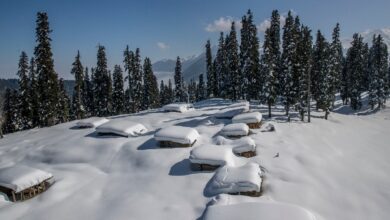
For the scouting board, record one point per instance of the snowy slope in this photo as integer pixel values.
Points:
(336, 169)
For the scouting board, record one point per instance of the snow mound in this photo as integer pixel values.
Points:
(230, 179)
(241, 145)
(178, 107)
(91, 122)
(19, 178)
(250, 117)
(212, 155)
(238, 129)
(122, 127)
(177, 134)
(233, 110)
(221, 209)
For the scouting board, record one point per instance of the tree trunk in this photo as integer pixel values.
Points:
(269, 110)
(326, 114)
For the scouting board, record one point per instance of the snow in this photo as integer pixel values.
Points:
(230, 179)
(122, 127)
(19, 178)
(337, 169)
(177, 134)
(238, 129)
(178, 107)
(213, 155)
(250, 117)
(241, 145)
(222, 209)
(91, 122)
(233, 110)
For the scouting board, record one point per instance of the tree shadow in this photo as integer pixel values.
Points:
(182, 168)
(104, 136)
(150, 144)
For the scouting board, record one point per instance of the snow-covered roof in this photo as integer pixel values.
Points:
(212, 155)
(92, 122)
(230, 179)
(250, 117)
(19, 178)
(237, 129)
(177, 134)
(233, 110)
(178, 107)
(241, 145)
(268, 210)
(122, 127)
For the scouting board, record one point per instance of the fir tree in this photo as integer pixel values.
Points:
(179, 93)
(220, 68)
(33, 93)
(136, 79)
(201, 91)
(128, 64)
(64, 103)
(270, 60)
(170, 92)
(163, 100)
(88, 94)
(234, 74)
(101, 84)
(11, 113)
(212, 86)
(118, 96)
(378, 80)
(192, 91)
(151, 93)
(48, 87)
(336, 61)
(24, 93)
(77, 102)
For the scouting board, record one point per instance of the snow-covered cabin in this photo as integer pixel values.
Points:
(244, 146)
(252, 119)
(91, 122)
(235, 130)
(124, 128)
(222, 207)
(176, 136)
(178, 107)
(211, 157)
(21, 182)
(233, 110)
(242, 180)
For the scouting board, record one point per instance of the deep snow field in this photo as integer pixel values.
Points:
(338, 169)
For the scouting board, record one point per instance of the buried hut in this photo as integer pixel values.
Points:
(20, 183)
(176, 136)
(252, 119)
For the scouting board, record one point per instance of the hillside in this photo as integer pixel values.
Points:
(337, 169)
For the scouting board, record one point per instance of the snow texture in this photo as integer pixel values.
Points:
(91, 122)
(213, 155)
(238, 129)
(230, 179)
(241, 145)
(222, 209)
(177, 134)
(250, 117)
(233, 110)
(19, 178)
(122, 127)
(178, 107)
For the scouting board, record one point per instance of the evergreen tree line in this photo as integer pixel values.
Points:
(294, 70)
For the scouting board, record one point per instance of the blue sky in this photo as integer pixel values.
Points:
(162, 29)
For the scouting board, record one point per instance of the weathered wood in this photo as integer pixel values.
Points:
(170, 144)
(248, 154)
(254, 125)
(13, 196)
(203, 167)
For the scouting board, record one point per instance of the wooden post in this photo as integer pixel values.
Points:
(13, 196)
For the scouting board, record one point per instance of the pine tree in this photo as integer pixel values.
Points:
(286, 83)
(378, 66)
(11, 114)
(88, 94)
(24, 93)
(64, 103)
(102, 84)
(355, 70)
(336, 61)
(33, 93)
(234, 74)
(249, 58)
(77, 102)
(220, 68)
(192, 91)
(170, 92)
(179, 94)
(136, 79)
(163, 100)
(118, 96)
(48, 87)
(128, 64)
(151, 93)
(270, 60)
(201, 91)
(212, 81)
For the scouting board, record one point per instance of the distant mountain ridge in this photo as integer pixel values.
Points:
(368, 36)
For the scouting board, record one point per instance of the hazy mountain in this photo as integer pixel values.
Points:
(368, 36)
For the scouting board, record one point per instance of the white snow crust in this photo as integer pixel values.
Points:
(250, 117)
(19, 178)
(238, 129)
(240, 145)
(178, 107)
(233, 110)
(212, 155)
(91, 122)
(122, 127)
(177, 134)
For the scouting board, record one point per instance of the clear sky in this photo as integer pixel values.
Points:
(162, 29)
